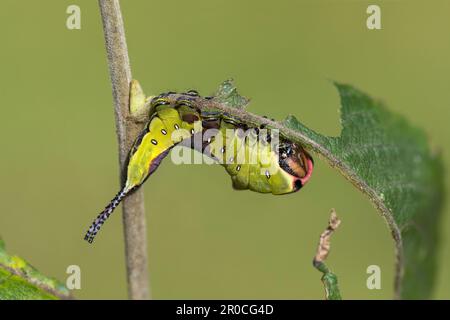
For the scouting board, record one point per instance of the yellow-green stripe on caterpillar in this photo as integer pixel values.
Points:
(175, 118)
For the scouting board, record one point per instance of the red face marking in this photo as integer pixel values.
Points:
(309, 169)
(299, 166)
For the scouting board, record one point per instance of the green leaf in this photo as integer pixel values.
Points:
(390, 161)
(228, 95)
(21, 281)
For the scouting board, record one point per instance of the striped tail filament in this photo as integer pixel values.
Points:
(103, 216)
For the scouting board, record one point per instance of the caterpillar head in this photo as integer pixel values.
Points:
(294, 160)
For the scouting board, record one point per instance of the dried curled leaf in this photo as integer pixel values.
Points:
(329, 279)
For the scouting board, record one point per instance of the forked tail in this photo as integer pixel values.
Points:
(103, 216)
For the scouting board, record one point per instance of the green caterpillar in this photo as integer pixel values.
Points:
(175, 119)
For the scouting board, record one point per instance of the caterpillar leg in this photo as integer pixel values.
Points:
(103, 216)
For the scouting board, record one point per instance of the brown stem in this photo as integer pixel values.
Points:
(133, 205)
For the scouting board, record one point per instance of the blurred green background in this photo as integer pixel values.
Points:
(59, 164)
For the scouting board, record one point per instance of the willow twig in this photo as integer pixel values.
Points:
(133, 205)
